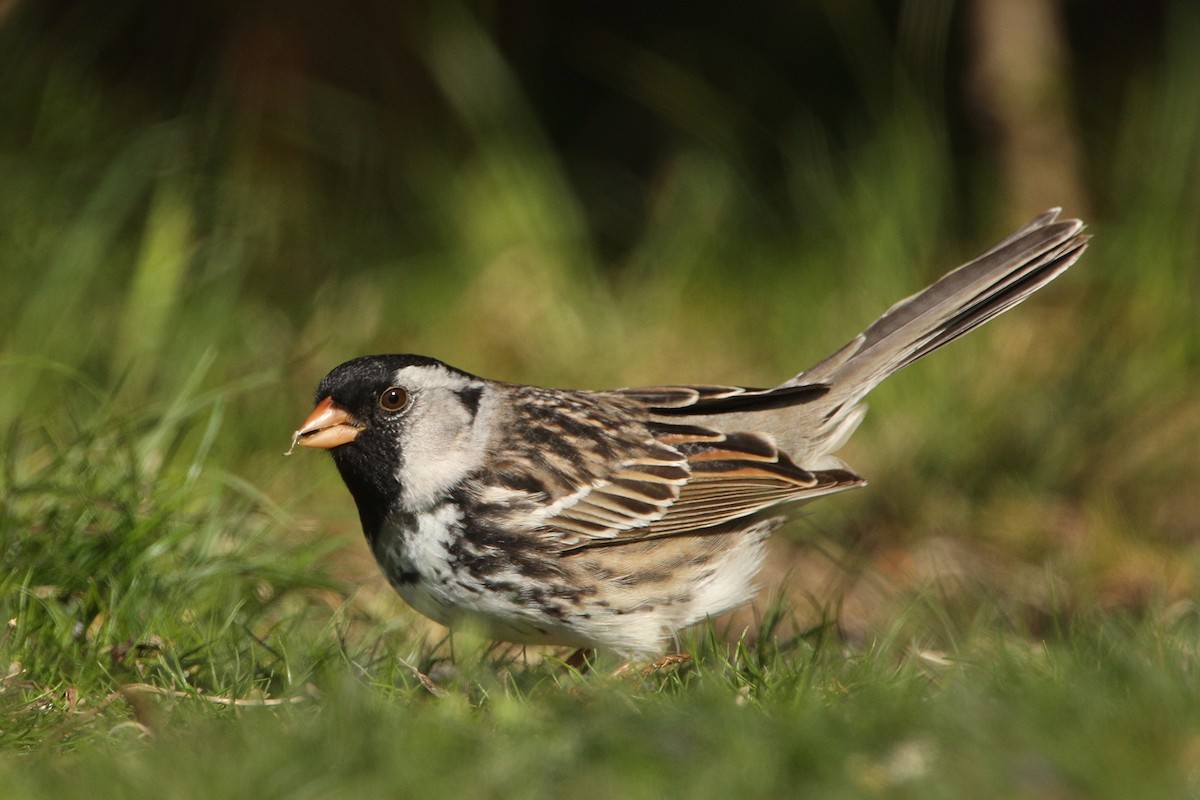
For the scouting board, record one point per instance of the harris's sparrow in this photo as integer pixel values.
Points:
(616, 518)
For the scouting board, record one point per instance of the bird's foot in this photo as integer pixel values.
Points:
(581, 659)
(666, 663)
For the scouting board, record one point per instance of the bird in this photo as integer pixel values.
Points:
(615, 519)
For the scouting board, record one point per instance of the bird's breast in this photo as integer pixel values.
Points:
(415, 547)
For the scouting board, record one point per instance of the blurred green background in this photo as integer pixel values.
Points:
(205, 206)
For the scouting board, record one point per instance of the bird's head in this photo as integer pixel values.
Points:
(402, 429)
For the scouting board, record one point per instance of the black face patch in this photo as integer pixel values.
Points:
(368, 467)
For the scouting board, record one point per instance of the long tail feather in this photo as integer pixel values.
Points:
(961, 301)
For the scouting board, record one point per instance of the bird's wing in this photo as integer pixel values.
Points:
(713, 478)
(688, 401)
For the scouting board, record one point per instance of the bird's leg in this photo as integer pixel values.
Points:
(580, 659)
(672, 661)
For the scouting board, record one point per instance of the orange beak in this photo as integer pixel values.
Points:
(328, 426)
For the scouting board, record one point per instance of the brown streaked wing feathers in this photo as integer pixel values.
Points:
(728, 477)
(634, 495)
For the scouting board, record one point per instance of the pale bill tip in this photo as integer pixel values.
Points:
(295, 438)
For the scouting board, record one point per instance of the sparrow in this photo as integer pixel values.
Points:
(614, 519)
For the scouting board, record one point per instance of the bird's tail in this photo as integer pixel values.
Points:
(959, 302)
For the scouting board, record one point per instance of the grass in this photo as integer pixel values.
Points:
(189, 614)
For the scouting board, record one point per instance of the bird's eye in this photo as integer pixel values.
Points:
(393, 399)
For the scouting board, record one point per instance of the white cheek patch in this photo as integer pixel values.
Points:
(435, 461)
(443, 442)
